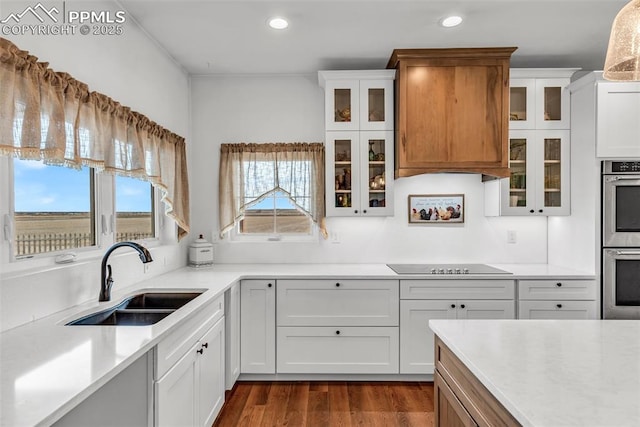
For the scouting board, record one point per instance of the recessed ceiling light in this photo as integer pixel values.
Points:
(278, 23)
(451, 21)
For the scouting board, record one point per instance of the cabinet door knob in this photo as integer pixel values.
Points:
(540, 210)
(462, 306)
(356, 211)
(531, 211)
(269, 285)
(337, 285)
(337, 332)
(364, 211)
(200, 351)
(453, 306)
(559, 305)
(558, 284)
(205, 345)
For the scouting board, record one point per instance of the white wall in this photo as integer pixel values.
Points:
(131, 69)
(291, 108)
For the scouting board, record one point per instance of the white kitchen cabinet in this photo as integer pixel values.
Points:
(337, 302)
(338, 326)
(358, 100)
(358, 165)
(609, 112)
(557, 299)
(258, 326)
(359, 120)
(232, 335)
(190, 371)
(423, 300)
(539, 185)
(192, 391)
(338, 350)
(539, 99)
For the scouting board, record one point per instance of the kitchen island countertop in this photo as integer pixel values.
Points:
(553, 372)
(80, 360)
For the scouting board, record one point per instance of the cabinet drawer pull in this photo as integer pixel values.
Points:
(531, 211)
(462, 306)
(337, 332)
(200, 351)
(558, 284)
(540, 211)
(269, 285)
(364, 211)
(337, 285)
(559, 305)
(356, 211)
(453, 306)
(205, 345)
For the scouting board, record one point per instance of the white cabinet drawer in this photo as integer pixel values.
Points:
(557, 290)
(176, 344)
(338, 350)
(558, 310)
(337, 302)
(457, 289)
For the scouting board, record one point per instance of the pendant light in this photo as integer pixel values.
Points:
(623, 54)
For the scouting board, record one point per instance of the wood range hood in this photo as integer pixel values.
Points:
(452, 110)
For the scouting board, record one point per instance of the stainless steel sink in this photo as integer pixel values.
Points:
(115, 317)
(143, 309)
(162, 300)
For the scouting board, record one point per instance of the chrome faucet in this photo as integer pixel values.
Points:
(106, 281)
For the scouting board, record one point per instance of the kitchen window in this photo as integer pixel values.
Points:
(54, 208)
(49, 210)
(271, 191)
(135, 209)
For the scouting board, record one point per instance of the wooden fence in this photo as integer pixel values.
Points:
(31, 244)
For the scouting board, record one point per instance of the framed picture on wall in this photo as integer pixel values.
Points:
(436, 208)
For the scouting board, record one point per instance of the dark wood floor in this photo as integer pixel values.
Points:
(300, 403)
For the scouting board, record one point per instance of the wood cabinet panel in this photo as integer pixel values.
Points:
(452, 110)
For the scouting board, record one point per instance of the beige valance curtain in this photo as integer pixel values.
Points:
(250, 172)
(49, 115)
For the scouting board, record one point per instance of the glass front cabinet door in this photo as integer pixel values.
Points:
(358, 100)
(539, 181)
(358, 167)
(539, 98)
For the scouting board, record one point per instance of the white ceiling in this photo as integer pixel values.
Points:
(231, 36)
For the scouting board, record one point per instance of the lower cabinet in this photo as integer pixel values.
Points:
(423, 300)
(459, 397)
(190, 370)
(338, 326)
(258, 326)
(232, 335)
(557, 299)
(192, 392)
(338, 350)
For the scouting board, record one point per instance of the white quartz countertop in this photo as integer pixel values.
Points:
(554, 372)
(47, 368)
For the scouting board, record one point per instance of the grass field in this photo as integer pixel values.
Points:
(51, 231)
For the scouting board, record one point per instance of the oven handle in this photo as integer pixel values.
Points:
(627, 252)
(624, 178)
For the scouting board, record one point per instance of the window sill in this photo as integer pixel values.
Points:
(46, 262)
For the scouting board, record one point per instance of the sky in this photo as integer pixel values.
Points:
(42, 188)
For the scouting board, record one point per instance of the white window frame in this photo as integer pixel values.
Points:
(104, 194)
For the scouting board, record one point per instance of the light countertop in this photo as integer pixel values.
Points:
(47, 368)
(554, 372)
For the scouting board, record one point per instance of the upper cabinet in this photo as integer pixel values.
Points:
(359, 142)
(616, 109)
(539, 147)
(358, 100)
(452, 110)
(539, 98)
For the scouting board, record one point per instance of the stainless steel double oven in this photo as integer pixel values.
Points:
(621, 239)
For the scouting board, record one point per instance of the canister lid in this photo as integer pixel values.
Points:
(200, 242)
